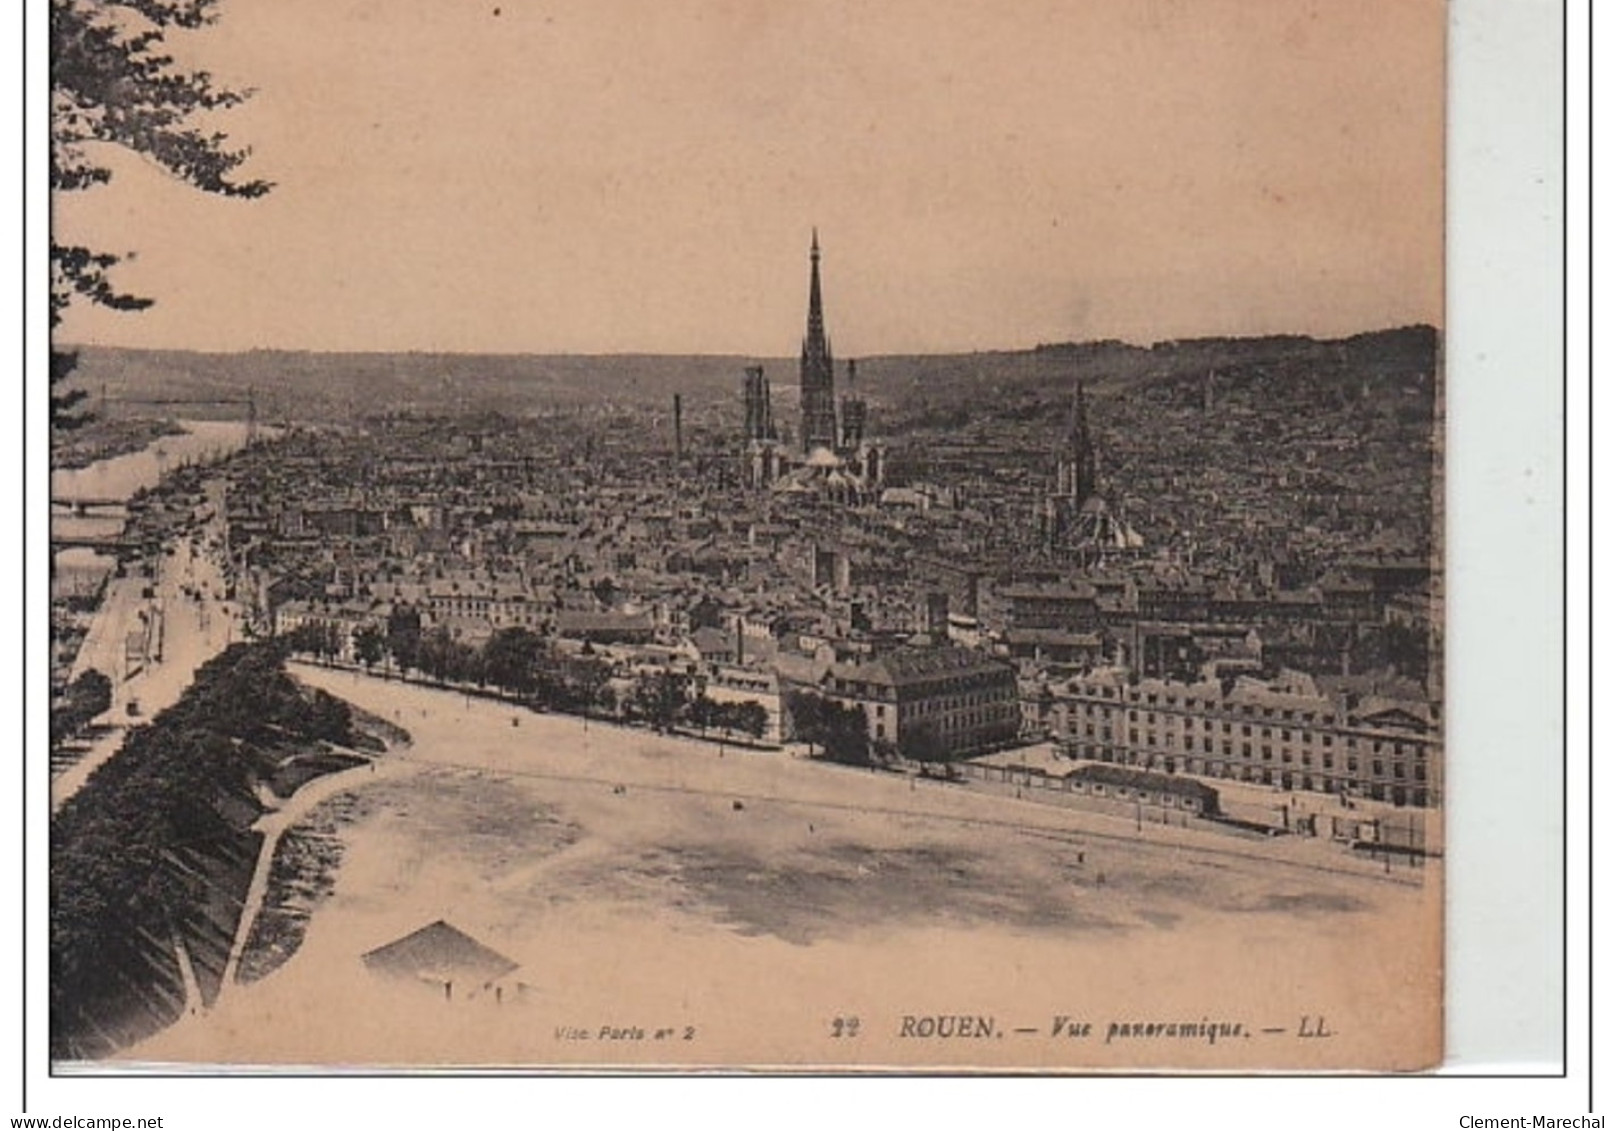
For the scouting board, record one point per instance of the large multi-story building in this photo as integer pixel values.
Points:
(1281, 732)
(940, 703)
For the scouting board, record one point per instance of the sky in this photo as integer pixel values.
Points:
(602, 176)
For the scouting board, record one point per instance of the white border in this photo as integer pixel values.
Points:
(1505, 524)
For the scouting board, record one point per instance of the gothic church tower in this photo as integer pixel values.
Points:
(817, 370)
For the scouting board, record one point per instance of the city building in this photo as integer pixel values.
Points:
(1072, 515)
(941, 702)
(1144, 787)
(446, 959)
(1279, 732)
(763, 457)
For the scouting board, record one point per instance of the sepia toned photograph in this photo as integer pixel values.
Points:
(742, 535)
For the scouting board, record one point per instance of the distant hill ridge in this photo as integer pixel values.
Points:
(312, 385)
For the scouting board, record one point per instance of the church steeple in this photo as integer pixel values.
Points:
(817, 368)
(815, 343)
(1075, 475)
(1082, 448)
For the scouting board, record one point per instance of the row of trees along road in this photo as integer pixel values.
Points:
(527, 666)
(85, 698)
(841, 733)
(158, 845)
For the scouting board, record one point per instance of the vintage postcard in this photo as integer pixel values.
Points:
(747, 535)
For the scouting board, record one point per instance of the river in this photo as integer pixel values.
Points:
(121, 476)
(78, 569)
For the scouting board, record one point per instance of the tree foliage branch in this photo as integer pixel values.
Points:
(113, 84)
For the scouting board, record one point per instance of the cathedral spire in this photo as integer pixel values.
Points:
(815, 326)
(1086, 472)
(817, 371)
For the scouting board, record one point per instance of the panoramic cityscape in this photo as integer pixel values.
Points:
(609, 535)
(1188, 591)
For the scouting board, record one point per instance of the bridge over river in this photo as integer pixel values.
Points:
(90, 505)
(84, 522)
(81, 505)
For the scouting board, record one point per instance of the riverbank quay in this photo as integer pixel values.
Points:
(160, 614)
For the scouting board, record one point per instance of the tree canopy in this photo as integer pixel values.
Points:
(86, 697)
(114, 84)
(839, 729)
(159, 840)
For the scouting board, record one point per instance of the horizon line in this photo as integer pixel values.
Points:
(429, 352)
